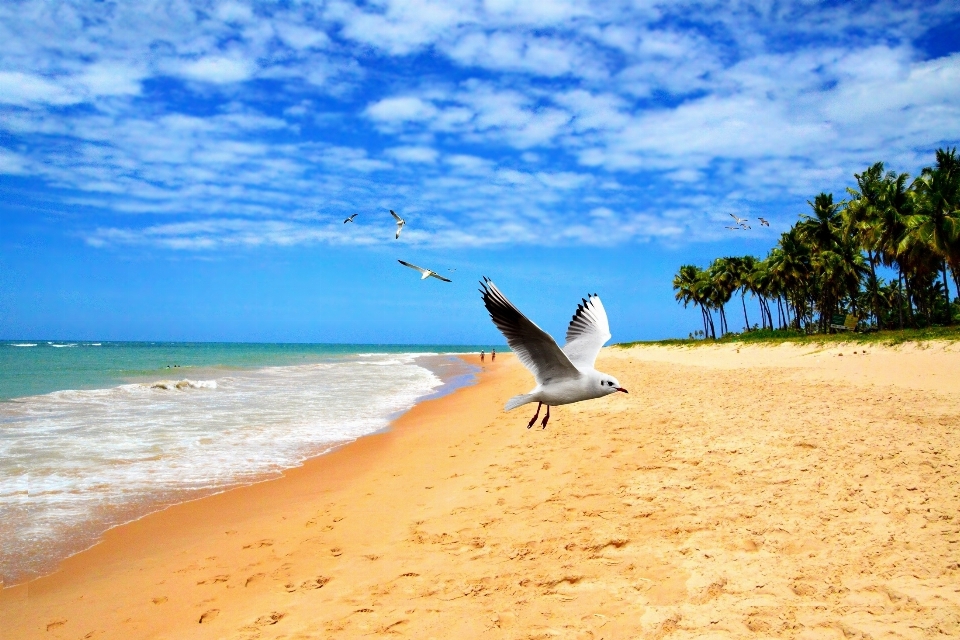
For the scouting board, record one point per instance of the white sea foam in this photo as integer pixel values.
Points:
(173, 385)
(60, 346)
(25, 344)
(74, 463)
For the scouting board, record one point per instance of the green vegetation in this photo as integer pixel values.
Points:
(825, 266)
(780, 336)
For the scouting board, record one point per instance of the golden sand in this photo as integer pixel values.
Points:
(760, 492)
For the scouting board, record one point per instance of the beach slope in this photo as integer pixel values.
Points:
(761, 491)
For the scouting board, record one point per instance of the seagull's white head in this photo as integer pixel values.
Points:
(609, 384)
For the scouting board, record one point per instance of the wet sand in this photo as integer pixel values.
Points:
(771, 491)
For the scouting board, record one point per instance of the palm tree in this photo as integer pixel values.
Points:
(936, 221)
(723, 276)
(859, 216)
(686, 284)
(890, 226)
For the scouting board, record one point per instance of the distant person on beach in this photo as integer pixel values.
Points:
(493, 355)
(481, 356)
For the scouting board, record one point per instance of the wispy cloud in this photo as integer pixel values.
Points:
(565, 122)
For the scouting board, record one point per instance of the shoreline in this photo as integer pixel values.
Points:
(187, 523)
(787, 492)
(463, 374)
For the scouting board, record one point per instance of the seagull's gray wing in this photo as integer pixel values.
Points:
(534, 347)
(423, 271)
(434, 274)
(589, 329)
(399, 219)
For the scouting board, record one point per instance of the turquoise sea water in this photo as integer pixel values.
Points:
(96, 434)
(32, 367)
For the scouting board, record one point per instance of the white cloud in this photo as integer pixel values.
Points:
(530, 114)
(12, 163)
(217, 70)
(414, 154)
(401, 109)
(25, 89)
(300, 37)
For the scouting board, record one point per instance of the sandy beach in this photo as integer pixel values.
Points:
(799, 492)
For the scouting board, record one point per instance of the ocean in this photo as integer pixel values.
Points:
(94, 434)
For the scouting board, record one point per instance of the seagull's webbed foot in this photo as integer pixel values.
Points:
(543, 425)
(536, 415)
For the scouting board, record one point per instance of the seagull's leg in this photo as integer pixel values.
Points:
(536, 415)
(543, 425)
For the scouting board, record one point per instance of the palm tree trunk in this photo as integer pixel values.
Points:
(703, 314)
(873, 285)
(946, 292)
(900, 294)
(743, 301)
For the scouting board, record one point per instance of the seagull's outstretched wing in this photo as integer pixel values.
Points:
(423, 272)
(398, 218)
(534, 347)
(434, 274)
(588, 331)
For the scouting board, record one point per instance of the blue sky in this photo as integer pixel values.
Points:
(181, 170)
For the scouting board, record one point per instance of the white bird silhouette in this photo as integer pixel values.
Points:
(350, 219)
(426, 273)
(563, 376)
(400, 223)
(740, 221)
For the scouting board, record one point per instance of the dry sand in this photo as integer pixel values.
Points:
(771, 491)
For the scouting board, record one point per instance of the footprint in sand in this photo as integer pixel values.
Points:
(159, 600)
(273, 618)
(307, 585)
(209, 616)
(258, 544)
(56, 624)
(214, 579)
(254, 578)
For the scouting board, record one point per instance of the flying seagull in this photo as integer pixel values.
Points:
(763, 222)
(563, 376)
(426, 272)
(400, 223)
(740, 221)
(735, 228)
(350, 219)
(745, 226)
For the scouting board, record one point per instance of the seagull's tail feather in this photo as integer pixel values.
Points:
(516, 401)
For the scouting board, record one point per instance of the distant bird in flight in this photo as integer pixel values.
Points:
(745, 226)
(350, 219)
(735, 228)
(426, 273)
(763, 222)
(400, 223)
(740, 221)
(563, 376)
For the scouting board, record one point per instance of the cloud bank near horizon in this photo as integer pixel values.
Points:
(196, 126)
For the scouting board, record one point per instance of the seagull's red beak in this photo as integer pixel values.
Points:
(622, 389)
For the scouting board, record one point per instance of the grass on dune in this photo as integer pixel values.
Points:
(780, 336)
